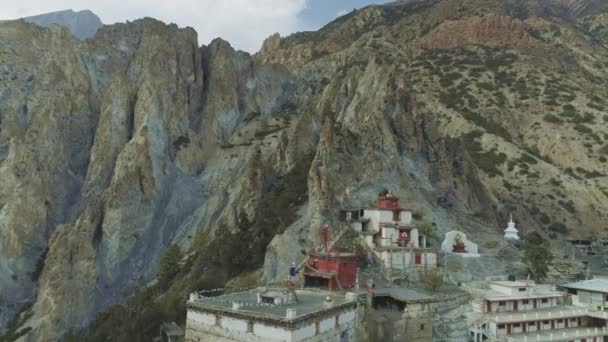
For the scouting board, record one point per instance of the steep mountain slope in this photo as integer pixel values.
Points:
(116, 147)
(82, 24)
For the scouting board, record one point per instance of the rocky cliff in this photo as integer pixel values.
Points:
(114, 148)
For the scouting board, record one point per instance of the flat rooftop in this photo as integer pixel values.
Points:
(499, 296)
(564, 311)
(558, 334)
(512, 283)
(594, 285)
(533, 292)
(309, 303)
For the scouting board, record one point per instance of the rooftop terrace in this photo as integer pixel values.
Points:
(537, 291)
(309, 302)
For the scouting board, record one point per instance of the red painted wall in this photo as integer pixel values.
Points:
(391, 203)
(345, 268)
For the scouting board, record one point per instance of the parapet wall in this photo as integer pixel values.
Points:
(202, 326)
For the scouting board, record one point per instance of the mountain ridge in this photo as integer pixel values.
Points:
(83, 24)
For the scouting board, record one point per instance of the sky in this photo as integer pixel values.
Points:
(244, 23)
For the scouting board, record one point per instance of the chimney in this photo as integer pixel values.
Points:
(291, 313)
(328, 302)
(236, 305)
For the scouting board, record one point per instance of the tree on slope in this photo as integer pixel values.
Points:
(536, 255)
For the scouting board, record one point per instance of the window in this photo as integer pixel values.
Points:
(532, 324)
(544, 300)
(316, 328)
(501, 326)
(250, 326)
(421, 326)
(516, 325)
(521, 289)
(337, 322)
(218, 320)
(524, 302)
(268, 300)
(501, 303)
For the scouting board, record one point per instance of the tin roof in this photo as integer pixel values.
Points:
(594, 285)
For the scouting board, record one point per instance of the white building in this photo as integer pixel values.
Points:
(272, 315)
(457, 243)
(511, 233)
(591, 294)
(515, 311)
(389, 231)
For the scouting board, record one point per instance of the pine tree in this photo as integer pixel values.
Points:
(169, 264)
(536, 255)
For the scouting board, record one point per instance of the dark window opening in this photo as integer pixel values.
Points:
(382, 302)
(267, 300)
(316, 282)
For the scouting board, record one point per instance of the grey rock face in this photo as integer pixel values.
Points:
(83, 24)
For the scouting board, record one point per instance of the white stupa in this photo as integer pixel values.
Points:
(511, 233)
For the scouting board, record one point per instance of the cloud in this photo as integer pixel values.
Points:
(244, 23)
(341, 13)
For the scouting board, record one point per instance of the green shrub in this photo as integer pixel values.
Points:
(558, 227)
(15, 328)
(585, 118)
(489, 162)
(555, 182)
(544, 218)
(432, 280)
(528, 159)
(583, 129)
(569, 206)
(180, 142)
(589, 174)
(449, 79)
(418, 215)
(596, 106)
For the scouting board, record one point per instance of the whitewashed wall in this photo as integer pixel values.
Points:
(202, 327)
